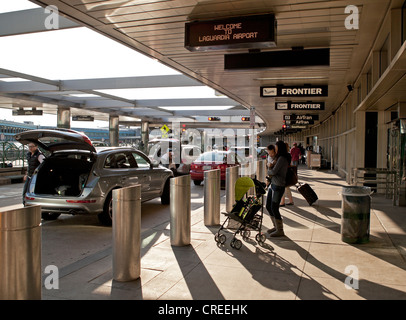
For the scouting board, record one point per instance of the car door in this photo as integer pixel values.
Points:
(123, 169)
(151, 176)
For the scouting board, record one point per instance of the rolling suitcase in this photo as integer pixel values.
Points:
(307, 192)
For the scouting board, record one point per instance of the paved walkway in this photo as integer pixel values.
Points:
(310, 262)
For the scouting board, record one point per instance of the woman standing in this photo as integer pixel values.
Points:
(275, 192)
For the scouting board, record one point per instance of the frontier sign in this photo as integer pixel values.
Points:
(256, 31)
(282, 91)
(299, 105)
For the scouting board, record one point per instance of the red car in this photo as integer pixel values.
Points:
(213, 160)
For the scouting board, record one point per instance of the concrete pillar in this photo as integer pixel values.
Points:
(113, 131)
(63, 118)
(144, 136)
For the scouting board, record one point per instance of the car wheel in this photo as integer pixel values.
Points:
(106, 217)
(197, 182)
(166, 195)
(50, 215)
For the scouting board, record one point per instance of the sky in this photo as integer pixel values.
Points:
(80, 53)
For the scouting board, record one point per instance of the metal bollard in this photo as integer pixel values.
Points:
(261, 170)
(127, 233)
(231, 179)
(180, 205)
(20, 254)
(212, 197)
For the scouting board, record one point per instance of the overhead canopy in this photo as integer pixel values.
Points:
(157, 29)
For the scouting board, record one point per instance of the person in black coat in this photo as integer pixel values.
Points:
(34, 158)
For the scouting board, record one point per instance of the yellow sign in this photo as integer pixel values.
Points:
(164, 129)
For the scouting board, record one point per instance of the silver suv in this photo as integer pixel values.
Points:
(75, 177)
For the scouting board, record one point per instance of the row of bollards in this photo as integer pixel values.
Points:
(20, 229)
(20, 233)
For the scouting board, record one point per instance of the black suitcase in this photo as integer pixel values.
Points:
(307, 192)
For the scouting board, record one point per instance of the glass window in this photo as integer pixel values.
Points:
(141, 161)
(117, 161)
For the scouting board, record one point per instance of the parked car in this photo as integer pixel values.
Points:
(214, 160)
(96, 143)
(244, 152)
(188, 153)
(76, 177)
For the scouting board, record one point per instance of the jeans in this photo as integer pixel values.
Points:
(25, 188)
(273, 200)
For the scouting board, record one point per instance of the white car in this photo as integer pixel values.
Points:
(188, 153)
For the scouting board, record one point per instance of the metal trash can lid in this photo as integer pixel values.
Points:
(356, 191)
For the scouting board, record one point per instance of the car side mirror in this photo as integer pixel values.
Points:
(154, 164)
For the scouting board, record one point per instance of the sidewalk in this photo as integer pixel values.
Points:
(310, 262)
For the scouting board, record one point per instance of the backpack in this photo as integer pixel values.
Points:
(291, 176)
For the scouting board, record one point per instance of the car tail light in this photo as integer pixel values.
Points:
(80, 201)
(222, 167)
(29, 198)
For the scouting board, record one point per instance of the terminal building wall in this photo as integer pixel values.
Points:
(358, 134)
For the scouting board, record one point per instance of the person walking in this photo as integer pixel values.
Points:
(275, 192)
(295, 152)
(34, 158)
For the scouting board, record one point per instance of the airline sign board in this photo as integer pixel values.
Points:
(294, 91)
(301, 117)
(299, 105)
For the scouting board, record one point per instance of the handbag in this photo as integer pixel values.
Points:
(291, 176)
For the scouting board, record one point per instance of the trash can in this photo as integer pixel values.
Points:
(355, 220)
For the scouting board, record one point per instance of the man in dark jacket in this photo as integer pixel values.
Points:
(34, 158)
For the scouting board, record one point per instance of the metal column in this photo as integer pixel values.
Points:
(63, 118)
(20, 254)
(231, 179)
(144, 136)
(113, 131)
(212, 197)
(261, 170)
(180, 205)
(127, 233)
